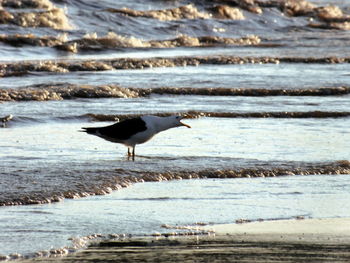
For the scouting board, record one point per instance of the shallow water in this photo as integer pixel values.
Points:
(29, 113)
(284, 69)
(262, 139)
(206, 76)
(144, 208)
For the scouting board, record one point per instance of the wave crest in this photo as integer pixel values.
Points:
(183, 12)
(227, 12)
(43, 92)
(42, 4)
(117, 181)
(54, 18)
(66, 92)
(9, 69)
(199, 114)
(112, 41)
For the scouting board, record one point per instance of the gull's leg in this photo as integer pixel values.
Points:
(133, 153)
(129, 154)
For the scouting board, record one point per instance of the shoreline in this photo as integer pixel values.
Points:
(292, 240)
(325, 230)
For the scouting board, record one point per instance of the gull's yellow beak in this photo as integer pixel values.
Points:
(184, 124)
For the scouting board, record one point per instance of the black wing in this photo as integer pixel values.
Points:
(120, 131)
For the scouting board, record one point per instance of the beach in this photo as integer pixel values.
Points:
(264, 85)
(298, 240)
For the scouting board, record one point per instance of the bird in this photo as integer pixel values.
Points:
(131, 132)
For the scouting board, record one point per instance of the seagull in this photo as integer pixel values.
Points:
(136, 130)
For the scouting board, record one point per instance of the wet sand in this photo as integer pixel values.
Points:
(312, 240)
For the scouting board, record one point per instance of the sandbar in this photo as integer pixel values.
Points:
(326, 230)
(303, 240)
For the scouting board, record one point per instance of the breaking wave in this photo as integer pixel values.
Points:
(38, 13)
(119, 181)
(251, 91)
(199, 114)
(54, 18)
(114, 41)
(41, 4)
(30, 39)
(187, 11)
(66, 91)
(328, 17)
(23, 68)
(184, 12)
(43, 92)
(43, 13)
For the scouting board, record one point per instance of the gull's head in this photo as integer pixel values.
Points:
(176, 121)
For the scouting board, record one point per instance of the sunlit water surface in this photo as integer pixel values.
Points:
(280, 76)
(42, 145)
